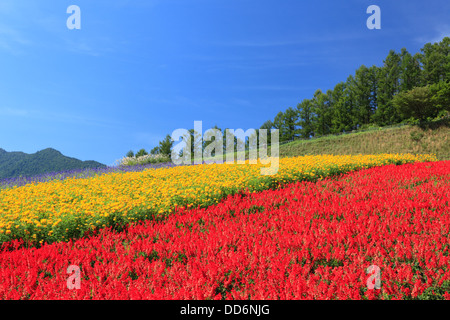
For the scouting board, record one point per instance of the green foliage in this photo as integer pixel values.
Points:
(165, 146)
(196, 142)
(388, 86)
(410, 72)
(286, 123)
(435, 60)
(210, 137)
(155, 150)
(141, 153)
(343, 112)
(164, 149)
(440, 96)
(436, 292)
(322, 111)
(290, 118)
(363, 87)
(268, 125)
(305, 112)
(416, 135)
(416, 103)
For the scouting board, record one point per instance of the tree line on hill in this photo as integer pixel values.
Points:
(165, 145)
(405, 88)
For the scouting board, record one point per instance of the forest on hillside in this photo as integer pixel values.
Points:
(405, 88)
(16, 164)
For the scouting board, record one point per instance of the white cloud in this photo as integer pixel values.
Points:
(12, 40)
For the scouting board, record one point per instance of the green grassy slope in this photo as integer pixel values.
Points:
(431, 138)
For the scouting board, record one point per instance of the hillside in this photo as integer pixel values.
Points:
(431, 138)
(15, 164)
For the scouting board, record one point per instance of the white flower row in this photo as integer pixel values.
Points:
(149, 158)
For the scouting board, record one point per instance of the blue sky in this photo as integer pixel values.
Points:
(139, 69)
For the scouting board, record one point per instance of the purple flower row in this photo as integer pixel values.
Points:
(79, 173)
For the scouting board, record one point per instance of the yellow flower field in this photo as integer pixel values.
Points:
(59, 210)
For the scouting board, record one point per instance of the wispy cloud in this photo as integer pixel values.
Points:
(147, 4)
(59, 117)
(440, 33)
(12, 40)
(13, 7)
(272, 88)
(14, 21)
(265, 58)
(81, 47)
(175, 101)
(258, 43)
(42, 25)
(14, 112)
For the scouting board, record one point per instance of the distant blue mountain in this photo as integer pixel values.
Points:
(16, 164)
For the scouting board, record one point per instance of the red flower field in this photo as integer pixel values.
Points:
(305, 241)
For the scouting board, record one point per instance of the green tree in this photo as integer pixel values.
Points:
(306, 118)
(373, 81)
(268, 125)
(322, 110)
(440, 96)
(165, 146)
(290, 119)
(141, 153)
(130, 154)
(410, 71)
(388, 85)
(445, 49)
(280, 124)
(364, 94)
(213, 138)
(155, 150)
(416, 103)
(225, 133)
(436, 62)
(196, 143)
(229, 134)
(342, 115)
